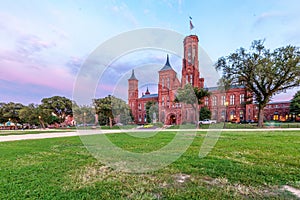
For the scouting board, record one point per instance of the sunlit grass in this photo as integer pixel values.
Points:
(252, 165)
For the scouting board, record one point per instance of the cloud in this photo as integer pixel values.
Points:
(31, 44)
(124, 11)
(26, 65)
(60, 32)
(266, 16)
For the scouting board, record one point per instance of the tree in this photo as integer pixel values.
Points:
(264, 73)
(84, 114)
(60, 106)
(10, 111)
(36, 114)
(192, 96)
(205, 113)
(151, 108)
(111, 107)
(29, 114)
(295, 104)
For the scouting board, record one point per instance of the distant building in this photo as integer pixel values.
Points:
(224, 106)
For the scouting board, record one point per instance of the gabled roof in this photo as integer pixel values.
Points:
(167, 65)
(132, 76)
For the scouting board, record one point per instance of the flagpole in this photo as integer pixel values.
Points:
(191, 25)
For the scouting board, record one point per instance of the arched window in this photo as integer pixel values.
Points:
(214, 100)
(232, 97)
(223, 100)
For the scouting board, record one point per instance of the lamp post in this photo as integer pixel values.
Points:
(84, 115)
(40, 121)
(226, 105)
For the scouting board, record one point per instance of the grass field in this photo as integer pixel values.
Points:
(242, 165)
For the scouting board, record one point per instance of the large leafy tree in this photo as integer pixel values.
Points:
(263, 72)
(111, 107)
(10, 111)
(192, 96)
(35, 114)
(60, 106)
(295, 104)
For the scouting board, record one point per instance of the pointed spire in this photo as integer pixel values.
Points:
(147, 92)
(168, 62)
(132, 76)
(167, 65)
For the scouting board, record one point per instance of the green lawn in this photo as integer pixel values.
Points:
(242, 165)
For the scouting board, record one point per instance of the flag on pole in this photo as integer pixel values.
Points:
(191, 24)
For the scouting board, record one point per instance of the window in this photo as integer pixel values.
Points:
(223, 100)
(214, 100)
(140, 106)
(242, 98)
(231, 99)
(223, 114)
(162, 82)
(232, 114)
(145, 118)
(163, 101)
(168, 82)
(140, 119)
(215, 114)
(168, 100)
(206, 101)
(191, 79)
(190, 54)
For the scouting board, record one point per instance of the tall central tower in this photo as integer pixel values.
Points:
(190, 63)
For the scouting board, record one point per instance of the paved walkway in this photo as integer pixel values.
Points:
(6, 138)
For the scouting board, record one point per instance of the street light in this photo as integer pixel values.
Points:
(84, 114)
(226, 105)
(40, 121)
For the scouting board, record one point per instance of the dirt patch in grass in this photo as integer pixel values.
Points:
(247, 191)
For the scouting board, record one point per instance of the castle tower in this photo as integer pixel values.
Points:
(190, 63)
(167, 87)
(133, 93)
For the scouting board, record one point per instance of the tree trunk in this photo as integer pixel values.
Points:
(42, 123)
(110, 122)
(260, 116)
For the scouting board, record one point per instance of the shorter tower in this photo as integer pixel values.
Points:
(133, 93)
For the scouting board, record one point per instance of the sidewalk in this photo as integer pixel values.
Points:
(6, 138)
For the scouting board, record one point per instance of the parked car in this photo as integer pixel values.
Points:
(207, 121)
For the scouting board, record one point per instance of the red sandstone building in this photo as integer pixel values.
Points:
(224, 106)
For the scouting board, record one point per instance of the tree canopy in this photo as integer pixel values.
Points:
(110, 108)
(60, 106)
(295, 103)
(192, 96)
(263, 72)
(205, 113)
(10, 111)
